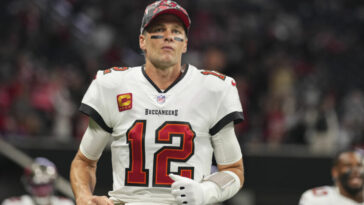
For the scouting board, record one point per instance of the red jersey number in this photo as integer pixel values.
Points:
(137, 175)
(214, 73)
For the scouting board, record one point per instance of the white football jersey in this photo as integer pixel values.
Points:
(154, 132)
(325, 195)
(27, 200)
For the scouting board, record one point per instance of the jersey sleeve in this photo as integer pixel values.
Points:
(94, 105)
(94, 141)
(316, 196)
(226, 146)
(229, 107)
(306, 198)
(8, 201)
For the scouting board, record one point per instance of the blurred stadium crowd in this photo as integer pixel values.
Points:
(298, 64)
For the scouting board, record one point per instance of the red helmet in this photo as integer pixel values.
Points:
(165, 7)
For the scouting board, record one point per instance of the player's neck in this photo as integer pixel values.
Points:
(163, 78)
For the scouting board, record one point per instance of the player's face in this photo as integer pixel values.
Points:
(164, 42)
(349, 172)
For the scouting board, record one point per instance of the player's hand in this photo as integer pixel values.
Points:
(94, 200)
(187, 191)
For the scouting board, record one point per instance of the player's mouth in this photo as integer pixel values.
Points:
(356, 180)
(167, 48)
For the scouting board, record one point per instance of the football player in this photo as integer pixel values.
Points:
(39, 179)
(165, 121)
(348, 175)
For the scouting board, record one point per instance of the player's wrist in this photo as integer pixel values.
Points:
(211, 192)
(220, 186)
(93, 199)
(83, 199)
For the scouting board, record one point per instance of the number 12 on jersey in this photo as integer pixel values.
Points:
(137, 174)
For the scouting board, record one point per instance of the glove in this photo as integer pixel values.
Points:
(188, 191)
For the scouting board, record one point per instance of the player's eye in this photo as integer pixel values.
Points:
(176, 31)
(156, 29)
(159, 29)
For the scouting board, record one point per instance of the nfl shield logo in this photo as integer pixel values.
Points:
(161, 99)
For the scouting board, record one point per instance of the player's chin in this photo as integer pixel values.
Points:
(163, 65)
(168, 57)
(167, 61)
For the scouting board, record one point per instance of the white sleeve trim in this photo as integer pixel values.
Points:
(226, 146)
(94, 141)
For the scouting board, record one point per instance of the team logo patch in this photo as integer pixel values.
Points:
(125, 101)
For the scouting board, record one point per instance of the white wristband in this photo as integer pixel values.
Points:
(220, 186)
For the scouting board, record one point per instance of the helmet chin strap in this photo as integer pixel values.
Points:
(160, 37)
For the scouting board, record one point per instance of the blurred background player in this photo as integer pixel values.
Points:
(348, 175)
(39, 180)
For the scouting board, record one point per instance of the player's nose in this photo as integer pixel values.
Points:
(168, 36)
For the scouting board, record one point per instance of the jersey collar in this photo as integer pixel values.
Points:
(173, 84)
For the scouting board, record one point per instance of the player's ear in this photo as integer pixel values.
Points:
(142, 42)
(334, 173)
